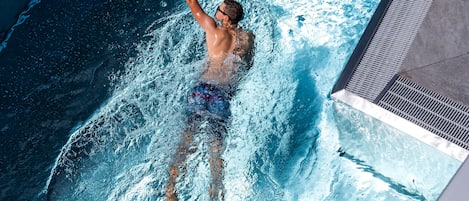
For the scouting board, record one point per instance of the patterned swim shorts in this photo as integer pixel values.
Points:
(209, 99)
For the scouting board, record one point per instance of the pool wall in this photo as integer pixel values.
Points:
(398, 75)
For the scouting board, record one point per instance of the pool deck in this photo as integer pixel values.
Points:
(438, 59)
(413, 62)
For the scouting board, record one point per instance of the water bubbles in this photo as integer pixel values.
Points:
(163, 4)
(121, 31)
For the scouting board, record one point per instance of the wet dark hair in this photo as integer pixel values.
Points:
(234, 10)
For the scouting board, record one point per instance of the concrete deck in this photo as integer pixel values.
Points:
(438, 58)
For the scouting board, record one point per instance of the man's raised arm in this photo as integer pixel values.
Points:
(205, 21)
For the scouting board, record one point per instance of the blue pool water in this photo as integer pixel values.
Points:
(94, 95)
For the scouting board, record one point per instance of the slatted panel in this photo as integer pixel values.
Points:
(388, 48)
(443, 116)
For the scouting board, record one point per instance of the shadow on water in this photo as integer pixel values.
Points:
(304, 117)
(292, 150)
(54, 74)
(392, 184)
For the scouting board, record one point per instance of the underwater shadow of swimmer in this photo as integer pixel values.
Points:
(303, 117)
(293, 156)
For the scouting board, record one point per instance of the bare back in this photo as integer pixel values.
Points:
(226, 53)
(222, 42)
(219, 43)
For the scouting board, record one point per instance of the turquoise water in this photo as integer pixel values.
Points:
(285, 131)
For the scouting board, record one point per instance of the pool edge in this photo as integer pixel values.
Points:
(378, 59)
(401, 124)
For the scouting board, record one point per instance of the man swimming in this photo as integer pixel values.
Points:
(229, 50)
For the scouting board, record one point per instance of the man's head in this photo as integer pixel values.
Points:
(232, 9)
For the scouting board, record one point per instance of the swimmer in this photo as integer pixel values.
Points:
(229, 53)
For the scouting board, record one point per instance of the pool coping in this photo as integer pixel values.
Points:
(401, 124)
(369, 75)
(373, 68)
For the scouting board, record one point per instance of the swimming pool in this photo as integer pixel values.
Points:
(287, 141)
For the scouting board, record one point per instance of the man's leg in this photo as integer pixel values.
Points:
(181, 155)
(216, 162)
(216, 166)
